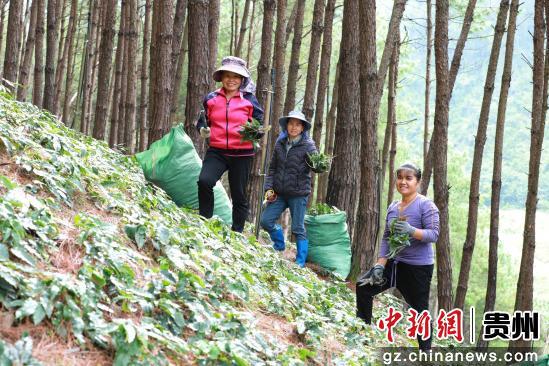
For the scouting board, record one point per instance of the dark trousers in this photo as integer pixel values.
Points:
(412, 281)
(213, 167)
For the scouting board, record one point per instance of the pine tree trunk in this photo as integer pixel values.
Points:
(344, 178)
(263, 84)
(312, 64)
(119, 63)
(37, 95)
(24, 70)
(371, 79)
(330, 137)
(264, 64)
(122, 125)
(105, 67)
(178, 77)
(61, 55)
(13, 45)
(324, 72)
(70, 60)
(143, 121)
(243, 28)
(427, 81)
(454, 68)
(213, 30)
(480, 139)
(179, 29)
(525, 284)
(251, 35)
(131, 83)
(440, 135)
(2, 17)
(491, 285)
(391, 106)
(391, 169)
(293, 70)
(200, 75)
(51, 53)
(87, 66)
(279, 61)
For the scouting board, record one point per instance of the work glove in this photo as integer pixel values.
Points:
(259, 135)
(205, 132)
(270, 196)
(373, 277)
(403, 227)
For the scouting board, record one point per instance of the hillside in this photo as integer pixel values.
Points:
(96, 266)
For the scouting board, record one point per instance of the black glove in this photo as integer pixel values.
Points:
(259, 135)
(373, 277)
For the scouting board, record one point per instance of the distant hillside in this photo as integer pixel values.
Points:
(96, 266)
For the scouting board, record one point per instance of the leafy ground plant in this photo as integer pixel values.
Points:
(151, 283)
(253, 131)
(321, 209)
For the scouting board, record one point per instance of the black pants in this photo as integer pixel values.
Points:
(213, 167)
(413, 282)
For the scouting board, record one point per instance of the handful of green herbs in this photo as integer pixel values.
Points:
(319, 162)
(397, 242)
(253, 131)
(321, 209)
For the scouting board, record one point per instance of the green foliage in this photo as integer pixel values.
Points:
(397, 242)
(321, 209)
(252, 131)
(19, 354)
(319, 162)
(158, 283)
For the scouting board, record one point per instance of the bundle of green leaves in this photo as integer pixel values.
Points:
(319, 162)
(253, 131)
(321, 209)
(397, 242)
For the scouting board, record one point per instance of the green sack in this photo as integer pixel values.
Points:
(329, 242)
(172, 164)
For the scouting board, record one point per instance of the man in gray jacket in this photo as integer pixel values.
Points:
(288, 182)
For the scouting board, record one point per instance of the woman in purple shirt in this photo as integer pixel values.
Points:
(411, 270)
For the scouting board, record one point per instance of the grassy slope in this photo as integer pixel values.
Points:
(93, 258)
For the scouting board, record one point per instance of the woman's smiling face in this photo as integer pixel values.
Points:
(231, 81)
(406, 182)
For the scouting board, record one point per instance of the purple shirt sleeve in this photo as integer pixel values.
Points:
(430, 221)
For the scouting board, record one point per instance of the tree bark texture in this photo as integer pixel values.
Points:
(121, 116)
(324, 72)
(427, 80)
(24, 69)
(131, 84)
(51, 53)
(314, 55)
(525, 284)
(440, 135)
(179, 29)
(490, 300)
(454, 68)
(480, 139)
(213, 30)
(293, 70)
(251, 35)
(200, 76)
(263, 84)
(372, 78)
(38, 82)
(119, 63)
(2, 17)
(391, 168)
(143, 121)
(13, 44)
(330, 137)
(264, 64)
(279, 59)
(71, 36)
(179, 75)
(344, 178)
(62, 67)
(243, 28)
(104, 73)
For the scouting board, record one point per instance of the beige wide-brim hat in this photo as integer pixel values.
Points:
(283, 121)
(232, 64)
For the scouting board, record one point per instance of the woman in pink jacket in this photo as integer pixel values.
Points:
(226, 110)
